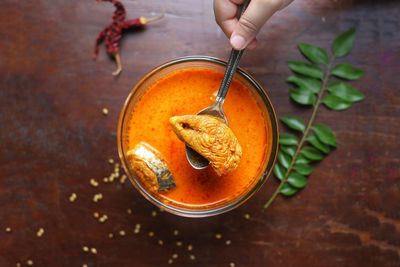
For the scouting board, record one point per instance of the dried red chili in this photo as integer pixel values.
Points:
(112, 34)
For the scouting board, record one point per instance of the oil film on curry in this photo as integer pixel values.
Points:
(157, 121)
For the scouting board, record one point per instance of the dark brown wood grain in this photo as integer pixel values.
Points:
(54, 139)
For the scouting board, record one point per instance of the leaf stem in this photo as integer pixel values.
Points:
(306, 131)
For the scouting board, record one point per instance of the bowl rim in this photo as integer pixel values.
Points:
(192, 213)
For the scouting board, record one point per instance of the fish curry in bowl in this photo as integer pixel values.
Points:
(157, 121)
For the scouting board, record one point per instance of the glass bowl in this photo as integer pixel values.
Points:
(201, 62)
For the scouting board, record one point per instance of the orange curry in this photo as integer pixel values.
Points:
(187, 92)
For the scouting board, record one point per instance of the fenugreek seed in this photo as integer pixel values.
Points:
(85, 265)
(192, 257)
(94, 183)
(170, 261)
(247, 216)
(136, 231)
(129, 211)
(138, 225)
(122, 233)
(105, 179)
(232, 264)
(85, 248)
(111, 161)
(105, 111)
(228, 242)
(189, 247)
(160, 242)
(176, 232)
(175, 256)
(151, 234)
(178, 243)
(40, 232)
(218, 236)
(72, 197)
(97, 197)
(103, 218)
(18, 264)
(123, 179)
(8, 229)
(110, 235)
(29, 262)
(154, 213)
(93, 250)
(96, 214)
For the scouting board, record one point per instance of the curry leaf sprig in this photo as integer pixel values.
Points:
(314, 87)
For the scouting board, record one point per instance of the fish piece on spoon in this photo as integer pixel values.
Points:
(211, 138)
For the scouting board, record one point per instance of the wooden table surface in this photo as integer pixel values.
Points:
(54, 139)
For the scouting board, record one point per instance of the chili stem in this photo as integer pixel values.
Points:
(305, 134)
(119, 64)
(146, 20)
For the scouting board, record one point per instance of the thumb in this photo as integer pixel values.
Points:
(250, 23)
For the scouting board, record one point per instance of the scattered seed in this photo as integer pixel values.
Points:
(123, 179)
(72, 197)
(110, 235)
(8, 229)
(105, 179)
(111, 160)
(129, 211)
(151, 234)
(154, 213)
(122, 233)
(93, 250)
(40, 232)
(85, 248)
(232, 264)
(218, 236)
(178, 243)
(137, 228)
(96, 215)
(170, 261)
(160, 242)
(176, 232)
(85, 265)
(192, 257)
(105, 111)
(94, 183)
(29, 262)
(189, 247)
(97, 197)
(247, 216)
(228, 242)
(103, 218)
(18, 264)
(175, 256)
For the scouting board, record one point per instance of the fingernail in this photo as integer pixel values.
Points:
(238, 42)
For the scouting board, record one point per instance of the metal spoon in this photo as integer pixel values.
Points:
(196, 160)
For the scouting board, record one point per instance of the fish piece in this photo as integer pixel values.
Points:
(149, 165)
(210, 137)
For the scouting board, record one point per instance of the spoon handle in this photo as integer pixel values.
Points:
(230, 71)
(231, 67)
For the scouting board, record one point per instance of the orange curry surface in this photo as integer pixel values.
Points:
(187, 92)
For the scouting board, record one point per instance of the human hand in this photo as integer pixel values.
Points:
(242, 33)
